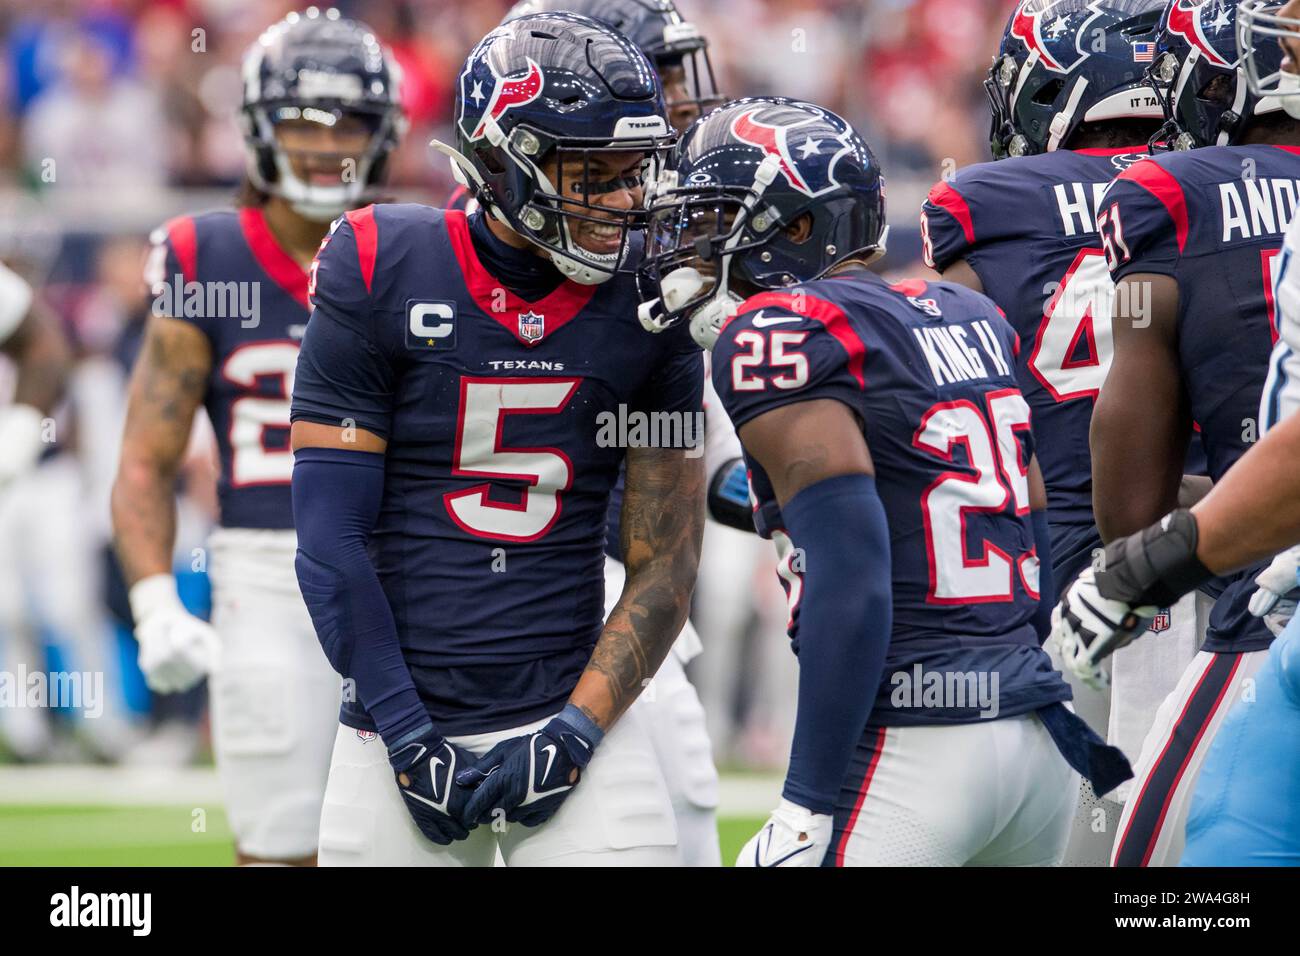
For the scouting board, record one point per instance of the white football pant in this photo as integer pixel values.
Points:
(275, 698)
(619, 814)
(989, 793)
(674, 718)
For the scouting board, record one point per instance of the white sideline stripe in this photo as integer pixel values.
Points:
(749, 795)
(740, 795)
(110, 786)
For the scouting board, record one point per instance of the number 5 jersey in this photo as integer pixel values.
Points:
(506, 421)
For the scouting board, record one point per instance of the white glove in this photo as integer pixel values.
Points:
(792, 836)
(1088, 628)
(176, 649)
(20, 441)
(1275, 601)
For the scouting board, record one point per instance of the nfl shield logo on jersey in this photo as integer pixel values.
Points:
(531, 326)
(1160, 622)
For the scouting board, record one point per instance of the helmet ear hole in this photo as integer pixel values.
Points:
(1048, 92)
(799, 230)
(492, 161)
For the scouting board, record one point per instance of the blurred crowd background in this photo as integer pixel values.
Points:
(116, 115)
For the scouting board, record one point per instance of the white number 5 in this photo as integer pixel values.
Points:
(484, 405)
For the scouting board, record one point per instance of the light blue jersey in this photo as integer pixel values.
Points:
(1246, 809)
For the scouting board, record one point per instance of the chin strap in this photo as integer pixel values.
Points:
(463, 171)
(1064, 120)
(707, 321)
(319, 212)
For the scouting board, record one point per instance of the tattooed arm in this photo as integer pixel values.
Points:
(662, 525)
(167, 386)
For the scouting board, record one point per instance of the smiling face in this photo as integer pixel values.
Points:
(610, 184)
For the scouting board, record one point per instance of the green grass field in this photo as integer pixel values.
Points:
(59, 835)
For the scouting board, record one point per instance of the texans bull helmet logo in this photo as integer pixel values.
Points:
(1041, 24)
(489, 95)
(1186, 18)
(806, 148)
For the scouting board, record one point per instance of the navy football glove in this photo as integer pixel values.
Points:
(426, 764)
(529, 776)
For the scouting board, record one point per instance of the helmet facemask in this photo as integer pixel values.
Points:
(683, 64)
(1001, 85)
(1161, 77)
(271, 166)
(1260, 28)
(693, 237)
(555, 186)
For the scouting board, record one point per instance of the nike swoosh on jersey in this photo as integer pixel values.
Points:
(761, 322)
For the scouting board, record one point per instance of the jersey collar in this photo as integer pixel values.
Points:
(282, 268)
(494, 299)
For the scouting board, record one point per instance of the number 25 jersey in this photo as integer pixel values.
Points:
(927, 367)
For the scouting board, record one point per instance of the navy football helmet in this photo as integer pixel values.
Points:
(319, 68)
(678, 50)
(1201, 78)
(564, 87)
(742, 177)
(1067, 62)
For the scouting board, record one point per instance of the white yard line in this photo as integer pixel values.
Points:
(749, 795)
(109, 786)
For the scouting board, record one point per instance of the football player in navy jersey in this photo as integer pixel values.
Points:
(1071, 110)
(1195, 232)
(680, 57)
(451, 481)
(1245, 810)
(321, 115)
(1023, 229)
(892, 461)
